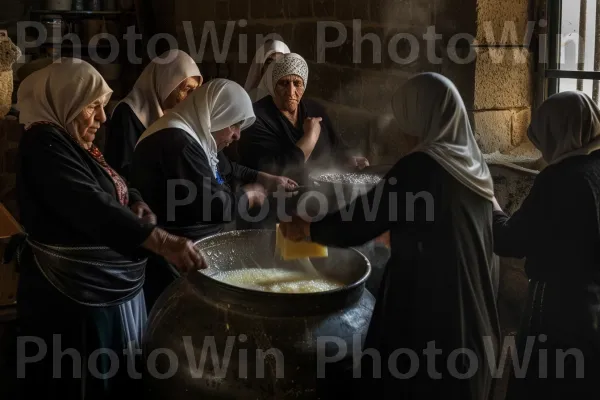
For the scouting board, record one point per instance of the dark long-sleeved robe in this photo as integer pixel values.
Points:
(171, 155)
(269, 145)
(438, 282)
(67, 199)
(557, 230)
(124, 130)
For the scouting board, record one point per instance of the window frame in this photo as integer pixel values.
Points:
(552, 72)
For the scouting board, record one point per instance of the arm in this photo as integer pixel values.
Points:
(373, 215)
(511, 234)
(64, 185)
(244, 174)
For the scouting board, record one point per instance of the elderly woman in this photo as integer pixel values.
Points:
(164, 83)
(265, 54)
(291, 132)
(438, 287)
(557, 230)
(82, 261)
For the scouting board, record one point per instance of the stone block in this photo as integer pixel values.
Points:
(239, 9)
(258, 8)
(387, 144)
(342, 54)
(520, 124)
(298, 9)
(493, 130)
(353, 126)
(350, 87)
(369, 48)
(188, 11)
(275, 9)
(323, 81)
(455, 16)
(305, 40)
(402, 13)
(502, 22)
(324, 8)
(378, 88)
(462, 75)
(502, 79)
(222, 8)
(356, 9)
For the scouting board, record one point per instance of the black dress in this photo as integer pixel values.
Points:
(557, 231)
(437, 285)
(269, 145)
(124, 130)
(67, 199)
(173, 171)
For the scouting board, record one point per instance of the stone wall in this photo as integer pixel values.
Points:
(355, 79)
(503, 78)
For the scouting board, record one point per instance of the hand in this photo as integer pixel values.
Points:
(143, 211)
(272, 182)
(384, 239)
(359, 162)
(312, 126)
(256, 194)
(297, 229)
(177, 250)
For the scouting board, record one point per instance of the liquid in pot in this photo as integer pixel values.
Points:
(277, 280)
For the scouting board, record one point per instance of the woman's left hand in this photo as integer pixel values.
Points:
(272, 182)
(359, 162)
(296, 230)
(143, 211)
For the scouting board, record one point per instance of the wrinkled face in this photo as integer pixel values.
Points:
(88, 122)
(288, 93)
(182, 91)
(226, 136)
(269, 60)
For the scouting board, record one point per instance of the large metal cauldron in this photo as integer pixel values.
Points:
(198, 312)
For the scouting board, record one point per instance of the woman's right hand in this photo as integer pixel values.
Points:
(312, 126)
(256, 194)
(177, 250)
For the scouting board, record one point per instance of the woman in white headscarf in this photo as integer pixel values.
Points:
(164, 83)
(557, 230)
(292, 134)
(437, 287)
(265, 54)
(82, 262)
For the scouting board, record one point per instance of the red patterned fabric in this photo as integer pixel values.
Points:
(94, 151)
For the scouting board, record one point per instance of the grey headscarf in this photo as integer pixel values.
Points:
(288, 64)
(567, 124)
(429, 107)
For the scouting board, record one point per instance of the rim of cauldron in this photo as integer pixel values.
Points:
(346, 288)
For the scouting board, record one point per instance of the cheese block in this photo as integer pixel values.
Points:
(290, 250)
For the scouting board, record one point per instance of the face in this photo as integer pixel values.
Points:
(288, 93)
(225, 137)
(269, 60)
(182, 91)
(88, 122)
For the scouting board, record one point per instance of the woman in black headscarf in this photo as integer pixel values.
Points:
(557, 229)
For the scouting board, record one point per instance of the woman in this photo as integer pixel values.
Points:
(438, 287)
(82, 262)
(265, 54)
(291, 132)
(556, 230)
(164, 83)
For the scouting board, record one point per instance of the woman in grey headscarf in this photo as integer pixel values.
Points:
(557, 229)
(438, 291)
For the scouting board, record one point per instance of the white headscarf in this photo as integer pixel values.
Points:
(215, 105)
(430, 107)
(157, 81)
(262, 54)
(59, 92)
(567, 124)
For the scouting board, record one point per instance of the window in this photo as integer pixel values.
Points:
(574, 47)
